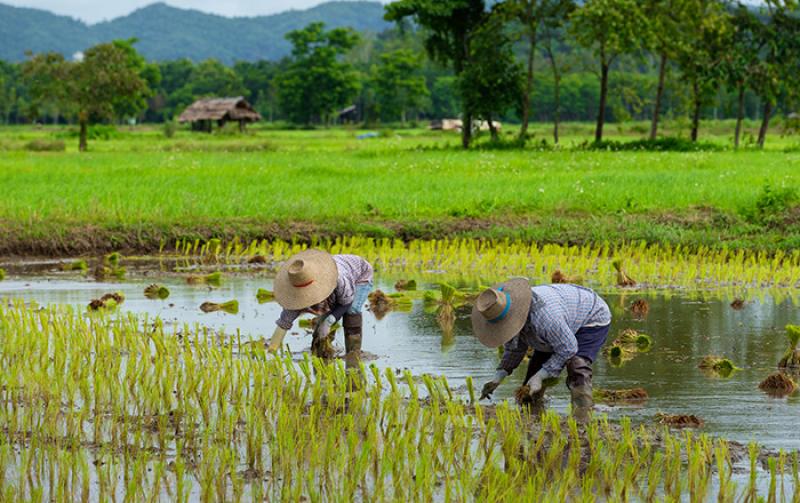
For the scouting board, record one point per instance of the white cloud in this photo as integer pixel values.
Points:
(93, 11)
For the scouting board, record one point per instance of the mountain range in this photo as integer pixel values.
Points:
(165, 32)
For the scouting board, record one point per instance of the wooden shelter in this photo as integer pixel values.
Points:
(202, 113)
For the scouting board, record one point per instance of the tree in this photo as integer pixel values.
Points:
(553, 20)
(316, 81)
(740, 62)
(610, 28)
(449, 28)
(492, 82)
(668, 19)
(101, 86)
(708, 38)
(399, 85)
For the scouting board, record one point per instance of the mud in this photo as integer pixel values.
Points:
(613, 396)
(778, 384)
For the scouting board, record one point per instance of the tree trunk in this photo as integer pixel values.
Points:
(739, 117)
(762, 132)
(601, 112)
(466, 129)
(556, 90)
(526, 101)
(662, 71)
(696, 113)
(493, 129)
(82, 119)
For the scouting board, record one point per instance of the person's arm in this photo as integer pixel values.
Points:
(284, 323)
(513, 353)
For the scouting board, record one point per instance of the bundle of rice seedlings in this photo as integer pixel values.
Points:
(107, 301)
(230, 307)
(680, 420)
(792, 356)
(381, 303)
(213, 279)
(322, 347)
(738, 304)
(263, 296)
(633, 395)
(113, 259)
(257, 259)
(631, 339)
(778, 384)
(406, 284)
(156, 292)
(2, 274)
(640, 308)
(77, 265)
(622, 278)
(722, 366)
(559, 277)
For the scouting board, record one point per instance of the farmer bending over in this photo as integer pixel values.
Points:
(566, 325)
(328, 286)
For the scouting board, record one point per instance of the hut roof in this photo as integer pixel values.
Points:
(234, 109)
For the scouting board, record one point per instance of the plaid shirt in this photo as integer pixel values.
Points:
(556, 314)
(353, 270)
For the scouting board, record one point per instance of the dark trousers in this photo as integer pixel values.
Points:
(579, 368)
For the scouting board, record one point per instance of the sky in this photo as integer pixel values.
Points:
(92, 11)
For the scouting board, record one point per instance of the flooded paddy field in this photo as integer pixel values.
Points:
(685, 326)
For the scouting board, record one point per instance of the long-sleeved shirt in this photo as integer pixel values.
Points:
(556, 314)
(353, 270)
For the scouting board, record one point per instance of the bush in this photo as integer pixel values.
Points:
(95, 132)
(42, 145)
(658, 145)
(771, 204)
(170, 128)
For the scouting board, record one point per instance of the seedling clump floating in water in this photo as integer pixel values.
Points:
(778, 384)
(721, 366)
(634, 395)
(738, 304)
(230, 307)
(640, 308)
(213, 279)
(680, 420)
(263, 296)
(257, 259)
(77, 265)
(156, 292)
(381, 303)
(107, 301)
(791, 359)
(559, 277)
(406, 284)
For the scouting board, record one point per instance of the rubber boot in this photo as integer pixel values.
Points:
(352, 324)
(579, 382)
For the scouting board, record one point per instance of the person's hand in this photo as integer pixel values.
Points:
(324, 327)
(277, 340)
(488, 389)
(536, 382)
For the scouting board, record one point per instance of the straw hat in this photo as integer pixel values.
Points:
(500, 312)
(307, 278)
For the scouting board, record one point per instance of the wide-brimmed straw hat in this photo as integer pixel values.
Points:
(307, 278)
(500, 312)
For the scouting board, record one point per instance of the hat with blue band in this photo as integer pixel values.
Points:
(500, 312)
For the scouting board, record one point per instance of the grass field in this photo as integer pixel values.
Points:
(138, 189)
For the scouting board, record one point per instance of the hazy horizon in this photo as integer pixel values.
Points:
(95, 11)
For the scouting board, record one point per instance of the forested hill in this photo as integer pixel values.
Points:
(167, 33)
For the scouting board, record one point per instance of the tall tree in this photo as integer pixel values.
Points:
(555, 16)
(668, 19)
(316, 81)
(449, 26)
(701, 55)
(492, 83)
(610, 28)
(740, 62)
(399, 85)
(101, 86)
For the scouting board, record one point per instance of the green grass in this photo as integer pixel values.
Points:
(139, 189)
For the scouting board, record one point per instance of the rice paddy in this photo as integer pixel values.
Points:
(121, 405)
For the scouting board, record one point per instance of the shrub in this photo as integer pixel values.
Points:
(659, 145)
(170, 128)
(770, 204)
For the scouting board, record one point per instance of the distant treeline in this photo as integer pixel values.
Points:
(516, 61)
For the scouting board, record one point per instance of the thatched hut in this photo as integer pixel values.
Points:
(202, 113)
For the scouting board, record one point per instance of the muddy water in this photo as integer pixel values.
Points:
(683, 331)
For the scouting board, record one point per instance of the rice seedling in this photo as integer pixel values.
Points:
(263, 296)
(381, 303)
(679, 420)
(640, 308)
(76, 265)
(722, 367)
(107, 301)
(2, 274)
(113, 259)
(613, 396)
(230, 307)
(406, 284)
(99, 406)
(626, 345)
(622, 277)
(212, 279)
(155, 291)
(778, 384)
(791, 359)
